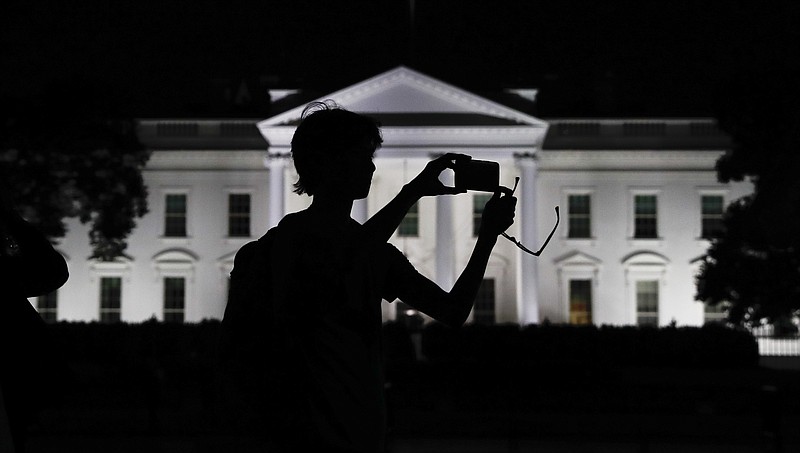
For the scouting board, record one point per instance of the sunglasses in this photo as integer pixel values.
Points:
(546, 241)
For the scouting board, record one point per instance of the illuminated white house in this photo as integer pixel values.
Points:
(636, 197)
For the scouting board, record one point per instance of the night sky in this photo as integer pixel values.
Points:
(155, 57)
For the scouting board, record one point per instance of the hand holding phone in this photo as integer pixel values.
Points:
(427, 183)
(474, 174)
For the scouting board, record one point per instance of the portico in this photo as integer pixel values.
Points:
(422, 117)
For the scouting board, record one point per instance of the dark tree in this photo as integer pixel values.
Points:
(753, 265)
(70, 154)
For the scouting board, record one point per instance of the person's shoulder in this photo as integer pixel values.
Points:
(252, 251)
(292, 225)
(247, 252)
(293, 220)
(253, 248)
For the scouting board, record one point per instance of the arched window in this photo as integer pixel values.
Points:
(175, 271)
(645, 274)
(110, 281)
(577, 273)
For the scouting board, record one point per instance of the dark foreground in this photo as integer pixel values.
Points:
(663, 410)
(558, 433)
(151, 389)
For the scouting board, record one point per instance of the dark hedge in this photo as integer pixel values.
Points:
(186, 346)
(710, 346)
(164, 378)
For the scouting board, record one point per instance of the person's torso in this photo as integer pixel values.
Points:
(329, 311)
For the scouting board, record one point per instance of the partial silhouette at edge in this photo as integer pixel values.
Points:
(29, 267)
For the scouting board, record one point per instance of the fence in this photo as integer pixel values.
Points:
(770, 344)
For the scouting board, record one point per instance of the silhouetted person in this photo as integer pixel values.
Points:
(29, 267)
(314, 286)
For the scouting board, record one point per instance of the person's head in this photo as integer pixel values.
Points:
(334, 147)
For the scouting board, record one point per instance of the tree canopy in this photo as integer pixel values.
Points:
(69, 155)
(753, 265)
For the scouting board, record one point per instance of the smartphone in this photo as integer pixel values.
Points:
(480, 175)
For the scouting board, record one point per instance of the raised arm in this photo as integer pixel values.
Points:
(381, 225)
(453, 307)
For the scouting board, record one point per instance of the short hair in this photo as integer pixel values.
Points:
(327, 132)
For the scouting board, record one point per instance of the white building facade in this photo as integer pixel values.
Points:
(636, 198)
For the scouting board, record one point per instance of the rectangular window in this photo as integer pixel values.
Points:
(175, 215)
(645, 220)
(579, 211)
(239, 215)
(47, 306)
(174, 299)
(712, 208)
(478, 203)
(110, 299)
(715, 313)
(409, 226)
(484, 309)
(580, 302)
(647, 302)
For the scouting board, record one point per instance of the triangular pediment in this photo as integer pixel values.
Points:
(404, 90)
(227, 258)
(576, 258)
(416, 110)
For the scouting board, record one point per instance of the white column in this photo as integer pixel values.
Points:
(445, 249)
(527, 274)
(359, 212)
(277, 188)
